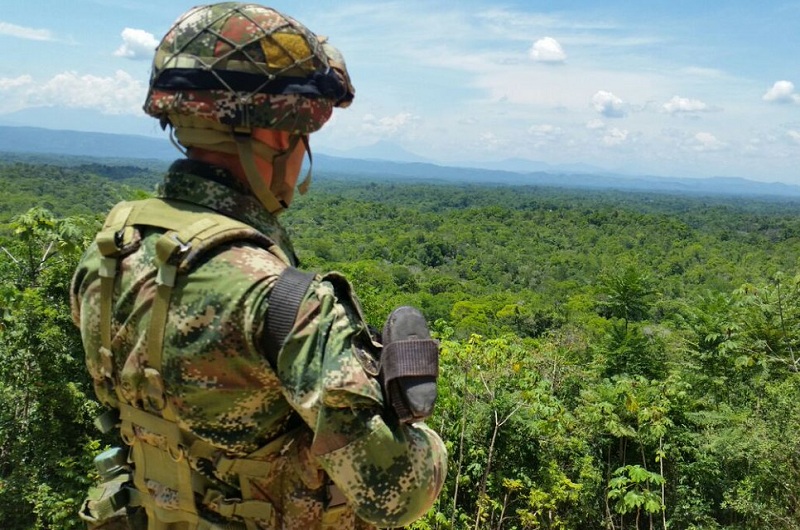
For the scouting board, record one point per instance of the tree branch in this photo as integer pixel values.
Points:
(10, 255)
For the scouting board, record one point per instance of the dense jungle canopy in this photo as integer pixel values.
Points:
(609, 360)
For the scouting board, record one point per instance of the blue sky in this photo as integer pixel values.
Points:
(682, 88)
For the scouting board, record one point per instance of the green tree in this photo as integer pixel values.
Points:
(628, 293)
(46, 437)
(635, 489)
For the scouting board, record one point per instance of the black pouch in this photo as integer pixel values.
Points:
(409, 365)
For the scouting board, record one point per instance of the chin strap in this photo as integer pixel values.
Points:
(175, 142)
(244, 144)
(241, 143)
(269, 196)
(303, 186)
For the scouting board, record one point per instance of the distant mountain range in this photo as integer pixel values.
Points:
(79, 143)
(386, 160)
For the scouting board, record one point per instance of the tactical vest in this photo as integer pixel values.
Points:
(176, 476)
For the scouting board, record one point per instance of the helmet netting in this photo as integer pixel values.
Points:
(266, 43)
(244, 66)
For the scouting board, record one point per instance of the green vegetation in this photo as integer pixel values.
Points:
(608, 360)
(84, 189)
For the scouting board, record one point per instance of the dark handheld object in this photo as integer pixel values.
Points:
(111, 463)
(409, 365)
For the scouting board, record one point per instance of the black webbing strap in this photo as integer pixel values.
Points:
(284, 302)
(410, 358)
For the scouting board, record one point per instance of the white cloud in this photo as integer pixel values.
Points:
(608, 104)
(490, 142)
(615, 137)
(794, 136)
(705, 141)
(15, 82)
(595, 124)
(118, 94)
(388, 125)
(678, 104)
(21, 32)
(503, 20)
(697, 71)
(544, 135)
(781, 92)
(544, 131)
(136, 44)
(547, 50)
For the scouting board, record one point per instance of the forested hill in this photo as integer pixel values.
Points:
(609, 360)
(556, 179)
(19, 141)
(83, 188)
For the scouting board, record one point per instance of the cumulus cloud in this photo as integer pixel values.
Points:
(595, 124)
(21, 32)
(615, 136)
(678, 104)
(547, 50)
(781, 92)
(388, 125)
(608, 104)
(705, 141)
(794, 136)
(117, 94)
(136, 44)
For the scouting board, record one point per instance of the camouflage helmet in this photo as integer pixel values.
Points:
(241, 66)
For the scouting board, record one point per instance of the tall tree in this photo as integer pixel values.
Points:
(46, 437)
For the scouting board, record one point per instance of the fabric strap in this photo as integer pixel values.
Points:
(303, 186)
(109, 240)
(171, 467)
(257, 185)
(284, 301)
(410, 358)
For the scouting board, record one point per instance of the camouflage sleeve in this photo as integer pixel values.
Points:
(390, 472)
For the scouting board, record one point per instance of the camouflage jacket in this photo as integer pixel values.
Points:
(225, 392)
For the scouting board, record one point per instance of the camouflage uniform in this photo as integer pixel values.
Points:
(225, 392)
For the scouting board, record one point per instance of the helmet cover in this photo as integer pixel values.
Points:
(244, 66)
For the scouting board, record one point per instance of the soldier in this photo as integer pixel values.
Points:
(248, 394)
